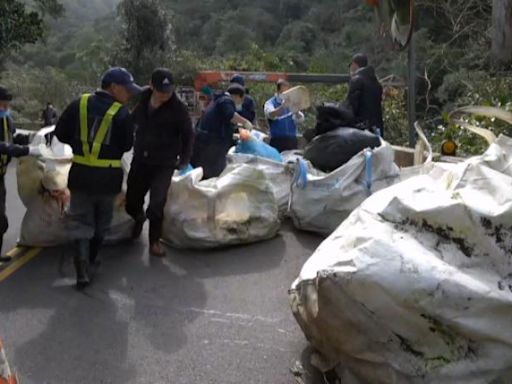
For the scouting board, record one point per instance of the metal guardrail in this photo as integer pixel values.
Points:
(28, 126)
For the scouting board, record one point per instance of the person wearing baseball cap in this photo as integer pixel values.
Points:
(163, 143)
(99, 129)
(248, 108)
(365, 95)
(214, 135)
(9, 148)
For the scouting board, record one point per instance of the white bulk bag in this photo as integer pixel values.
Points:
(42, 186)
(278, 174)
(238, 207)
(416, 285)
(297, 98)
(323, 200)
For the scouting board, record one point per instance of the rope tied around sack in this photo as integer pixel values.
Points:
(300, 179)
(368, 155)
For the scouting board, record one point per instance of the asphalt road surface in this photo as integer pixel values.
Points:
(217, 317)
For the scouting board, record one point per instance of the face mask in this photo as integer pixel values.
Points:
(239, 107)
(279, 97)
(4, 113)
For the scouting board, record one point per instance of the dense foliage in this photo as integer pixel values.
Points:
(454, 39)
(21, 25)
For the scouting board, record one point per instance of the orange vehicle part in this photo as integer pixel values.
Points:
(212, 78)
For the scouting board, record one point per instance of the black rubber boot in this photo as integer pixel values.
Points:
(3, 258)
(155, 232)
(81, 261)
(137, 228)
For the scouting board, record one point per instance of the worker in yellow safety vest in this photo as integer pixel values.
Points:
(9, 148)
(99, 129)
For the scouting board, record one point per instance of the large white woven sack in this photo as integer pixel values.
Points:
(239, 207)
(416, 285)
(324, 200)
(42, 187)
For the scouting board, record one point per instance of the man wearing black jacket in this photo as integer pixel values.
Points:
(163, 142)
(365, 95)
(99, 129)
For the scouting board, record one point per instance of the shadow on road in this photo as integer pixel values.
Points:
(144, 313)
(131, 298)
(238, 260)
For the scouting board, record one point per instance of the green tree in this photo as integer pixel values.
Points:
(299, 36)
(502, 23)
(147, 38)
(20, 26)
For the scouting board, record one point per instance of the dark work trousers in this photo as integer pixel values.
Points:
(211, 156)
(155, 179)
(284, 143)
(4, 224)
(89, 219)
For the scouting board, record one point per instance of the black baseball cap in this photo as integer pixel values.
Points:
(120, 76)
(4, 94)
(162, 80)
(238, 79)
(360, 59)
(236, 89)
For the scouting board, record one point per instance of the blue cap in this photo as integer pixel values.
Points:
(238, 79)
(120, 76)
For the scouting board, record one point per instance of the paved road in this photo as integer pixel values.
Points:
(196, 317)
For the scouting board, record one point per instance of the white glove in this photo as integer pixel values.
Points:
(40, 150)
(248, 125)
(299, 117)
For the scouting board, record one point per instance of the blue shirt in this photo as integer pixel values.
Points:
(283, 125)
(216, 121)
(248, 109)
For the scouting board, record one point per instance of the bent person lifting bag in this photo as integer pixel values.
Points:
(331, 150)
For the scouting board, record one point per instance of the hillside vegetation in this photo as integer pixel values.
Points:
(453, 39)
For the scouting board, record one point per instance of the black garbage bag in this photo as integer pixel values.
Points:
(309, 134)
(331, 116)
(331, 150)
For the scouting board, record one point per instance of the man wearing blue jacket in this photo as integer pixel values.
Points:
(214, 135)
